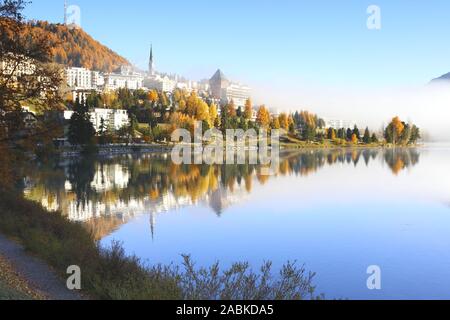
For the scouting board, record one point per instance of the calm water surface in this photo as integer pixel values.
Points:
(337, 212)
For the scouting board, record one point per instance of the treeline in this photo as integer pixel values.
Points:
(155, 114)
(75, 48)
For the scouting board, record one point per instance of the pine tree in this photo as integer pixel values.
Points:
(349, 134)
(356, 133)
(366, 138)
(81, 129)
(374, 138)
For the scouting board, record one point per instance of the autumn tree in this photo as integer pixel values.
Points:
(153, 97)
(354, 138)
(331, 134)
(231, 109)
(283, 120)
(214, 115)
(275, 123)
(248, 111)
(27, 77)
(394, 131)
(263, 117)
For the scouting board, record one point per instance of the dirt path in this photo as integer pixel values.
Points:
(35, 273)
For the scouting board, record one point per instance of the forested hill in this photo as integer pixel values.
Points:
(76, 48)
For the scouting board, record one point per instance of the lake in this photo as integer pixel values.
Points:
(336, 211)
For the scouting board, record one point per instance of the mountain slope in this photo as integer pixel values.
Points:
(76, 48)
(443, 78)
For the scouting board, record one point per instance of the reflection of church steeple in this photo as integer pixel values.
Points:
(152, 225)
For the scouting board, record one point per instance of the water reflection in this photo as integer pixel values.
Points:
(106, 193)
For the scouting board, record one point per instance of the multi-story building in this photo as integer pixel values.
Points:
(164, 84)
(114, 81)
(79, 78)
(339, 124)
(225, 90)
(113, 119)
(98, 80)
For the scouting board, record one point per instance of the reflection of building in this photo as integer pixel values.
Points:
(221, 88)
(108, 177)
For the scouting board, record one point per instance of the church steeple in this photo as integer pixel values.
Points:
(151, 66)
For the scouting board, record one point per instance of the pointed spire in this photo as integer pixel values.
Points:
(151, 52)
(151, 66)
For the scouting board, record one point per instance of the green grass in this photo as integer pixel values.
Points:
(110, 274)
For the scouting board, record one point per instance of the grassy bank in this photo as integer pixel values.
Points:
(110, 274)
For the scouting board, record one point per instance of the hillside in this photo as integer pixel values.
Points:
(442, 79)
(76, 48)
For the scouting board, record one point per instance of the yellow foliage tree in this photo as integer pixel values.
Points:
(263, 117)
(213, 114)
(354, 139)
(248, 111)
(153, 96)
(284, 121)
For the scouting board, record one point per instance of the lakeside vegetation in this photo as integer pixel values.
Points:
(154, 115)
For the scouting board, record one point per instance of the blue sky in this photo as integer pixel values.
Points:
(319, 42)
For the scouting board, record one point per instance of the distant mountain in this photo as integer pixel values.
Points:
(76, 48)
(442, 79)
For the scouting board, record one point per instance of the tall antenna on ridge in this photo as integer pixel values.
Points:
(65, 12)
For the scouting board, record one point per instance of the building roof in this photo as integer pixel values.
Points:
(219, 76)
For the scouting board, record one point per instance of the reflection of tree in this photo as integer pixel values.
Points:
(81, 174)
(151, 178)
(400, 159)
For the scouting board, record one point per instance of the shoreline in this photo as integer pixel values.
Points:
(121, 149)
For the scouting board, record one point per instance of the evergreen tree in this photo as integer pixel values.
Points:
(374, 138)
(349, 134)
(356, 133)
(81, 129)
(366, 138)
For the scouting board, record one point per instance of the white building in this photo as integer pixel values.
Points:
(339, 124)
(225, 90)
(236, 92)
(98, 80)
(113, 119)
(164, 84)
(114, 81)
(79, 78)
